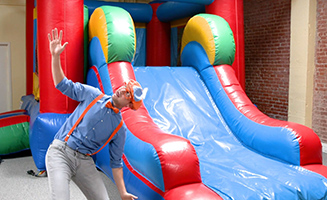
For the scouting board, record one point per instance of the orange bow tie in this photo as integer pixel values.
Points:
(109, 105)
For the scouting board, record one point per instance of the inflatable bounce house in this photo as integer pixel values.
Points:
(197, 135)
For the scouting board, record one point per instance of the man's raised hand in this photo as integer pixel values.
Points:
(55, 46)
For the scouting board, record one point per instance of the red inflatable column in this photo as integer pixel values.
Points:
(158, 41)
(232, 12)
(66, 15)
(29, 46)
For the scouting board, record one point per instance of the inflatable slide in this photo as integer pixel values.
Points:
(195, 138)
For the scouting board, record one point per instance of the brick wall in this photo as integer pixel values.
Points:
(267, 55)
(319, 116)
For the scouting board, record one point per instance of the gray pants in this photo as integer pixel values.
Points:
(65, 164)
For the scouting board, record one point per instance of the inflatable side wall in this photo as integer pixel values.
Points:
(148, 159)
(284, 141)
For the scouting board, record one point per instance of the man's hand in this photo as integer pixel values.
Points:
(128, 196)
(119, 180)
(55, 43)
(56, 49)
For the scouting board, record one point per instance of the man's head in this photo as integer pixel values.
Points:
(128, 95)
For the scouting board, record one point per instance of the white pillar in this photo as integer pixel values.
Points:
(302, 61)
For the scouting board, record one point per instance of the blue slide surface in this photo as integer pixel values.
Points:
(180, 104)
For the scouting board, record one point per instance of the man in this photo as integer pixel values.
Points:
(68, 157)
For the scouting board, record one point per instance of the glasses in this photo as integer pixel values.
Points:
(128, 93)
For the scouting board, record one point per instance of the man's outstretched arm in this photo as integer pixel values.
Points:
(56, 49)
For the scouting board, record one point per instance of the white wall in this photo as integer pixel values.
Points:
(12, 30)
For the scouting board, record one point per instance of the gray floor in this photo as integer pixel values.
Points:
(15, 183)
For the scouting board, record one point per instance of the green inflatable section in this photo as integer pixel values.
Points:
(121, 35)
(214, 34)
(223, 39)
(14, 138)
(115, 29)
(86, 39)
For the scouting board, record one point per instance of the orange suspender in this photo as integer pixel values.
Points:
(112, 135)
(81, 117)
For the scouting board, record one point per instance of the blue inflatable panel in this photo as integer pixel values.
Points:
(133, 184)
(11, 114)
(140, 52)
(148, 164)
(181, 104)
(140, 12)
(178, 10)
(91, 79)
(42, 133)
(96, 58)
